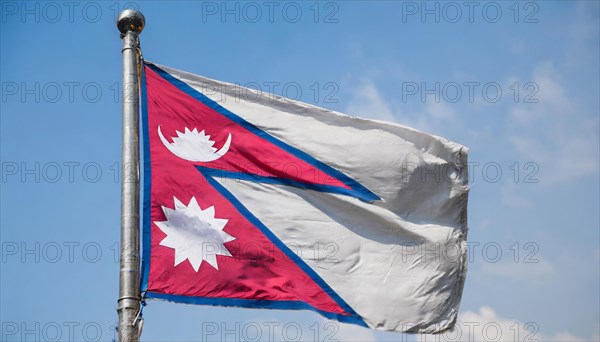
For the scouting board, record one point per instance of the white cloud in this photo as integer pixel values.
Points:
(435, 118)
(368, 103)
(547, 92)
(483, 225)
(536, 270)
(487, 325)
(350, 332)
(582, 33)
(512, 197)
(557, 133)
(276, 329)
(440, 111)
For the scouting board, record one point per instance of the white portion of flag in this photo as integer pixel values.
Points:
(399, 262)
(393, 273)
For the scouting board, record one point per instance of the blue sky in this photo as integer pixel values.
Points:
(517, 83)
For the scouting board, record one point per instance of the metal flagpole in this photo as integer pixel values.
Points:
(130, 23)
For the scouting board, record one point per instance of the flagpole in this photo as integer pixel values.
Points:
(130, 23)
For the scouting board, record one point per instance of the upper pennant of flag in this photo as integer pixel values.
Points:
(256, 154)
(195, 146)
(194, 234)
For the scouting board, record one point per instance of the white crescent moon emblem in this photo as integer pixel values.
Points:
(195, 146)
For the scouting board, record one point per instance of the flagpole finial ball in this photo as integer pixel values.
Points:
(131, 20)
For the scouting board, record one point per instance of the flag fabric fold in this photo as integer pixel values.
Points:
(258, 201)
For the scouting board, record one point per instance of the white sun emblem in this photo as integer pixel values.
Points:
(194, 234)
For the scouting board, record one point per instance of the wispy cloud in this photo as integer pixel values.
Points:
(369, 102)
(512, 196)
(486, 325)
(319, 329)
(557, 133)
(535, 271)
